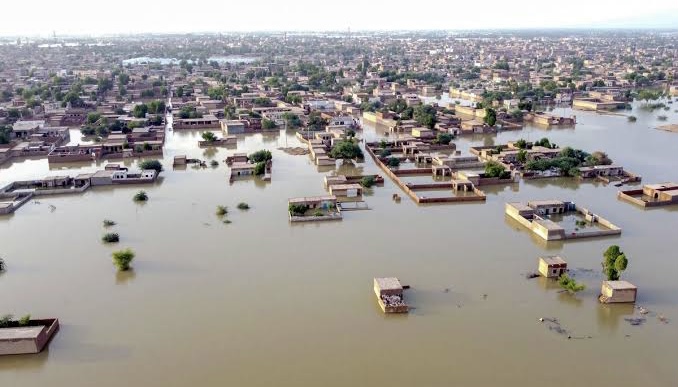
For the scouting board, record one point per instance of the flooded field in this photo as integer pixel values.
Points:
(262, 302)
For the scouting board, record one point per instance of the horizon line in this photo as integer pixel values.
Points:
(344, 31)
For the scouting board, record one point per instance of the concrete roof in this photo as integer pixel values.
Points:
(537, 203)
(388, 283)
(553, 260)
(20, 333)
(620, 285)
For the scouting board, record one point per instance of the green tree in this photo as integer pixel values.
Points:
(209, 137)
(444, 138)
(494, 169)
(151, 164)
(490, 116)
(156, 107)
(425, 115)
(268, 124)
(93, 117)
(367, 181)
(260, 156)
(297, 209)
(316, 122)
(614, 263)
(140, 110)
(393, 161)
(346, 150)
(522, 156)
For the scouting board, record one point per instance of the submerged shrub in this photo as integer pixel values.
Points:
(122, 259)
(110, 237)
(140, 196)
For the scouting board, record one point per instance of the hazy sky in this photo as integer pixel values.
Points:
(92, 17)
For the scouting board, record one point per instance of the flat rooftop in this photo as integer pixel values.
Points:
(20, 333)
(620, 285)
(549, 224)
(553, 260)
(538, 203)
(388, 283)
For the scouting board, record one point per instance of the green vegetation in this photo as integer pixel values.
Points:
(140, 196)
(7, 321)
(151, 164)
(615, 263)
(110, 237)
(494, 169)
(490, 116)
(260, 156)
(122, 259)
(260, 168)
(209, 137)
(367, 181)
(393, 161)
(568, 283)
(109, 223)
(268, 124)
(5, 131)
(222, 210)
(632, 118)
(346, 149)
(297, 209)
(521, 156)
(189, 112)
(24, 320)
(243, 206)
(316, 122)
(545, 143)
(139, 111)
(292, 120)
(318, 213)
(521, 144)
(646, 95)
(425, 115)
(384, 153)
(569, 160)
(444, 138)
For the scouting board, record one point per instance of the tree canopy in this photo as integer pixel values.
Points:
(346, 149)
(614, 263)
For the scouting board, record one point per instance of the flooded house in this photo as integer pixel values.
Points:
(348, 191)
(314, 208)
(30, 338)
(242, 169)
(618, 292)
(652, 195)
(389, 294)
(552, 266)
(556, 220)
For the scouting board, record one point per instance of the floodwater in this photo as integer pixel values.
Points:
(261, 302)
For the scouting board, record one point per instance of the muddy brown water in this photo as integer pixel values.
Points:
(260, 302)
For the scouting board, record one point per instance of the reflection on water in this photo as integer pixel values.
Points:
(123, 277)
(610, 316)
